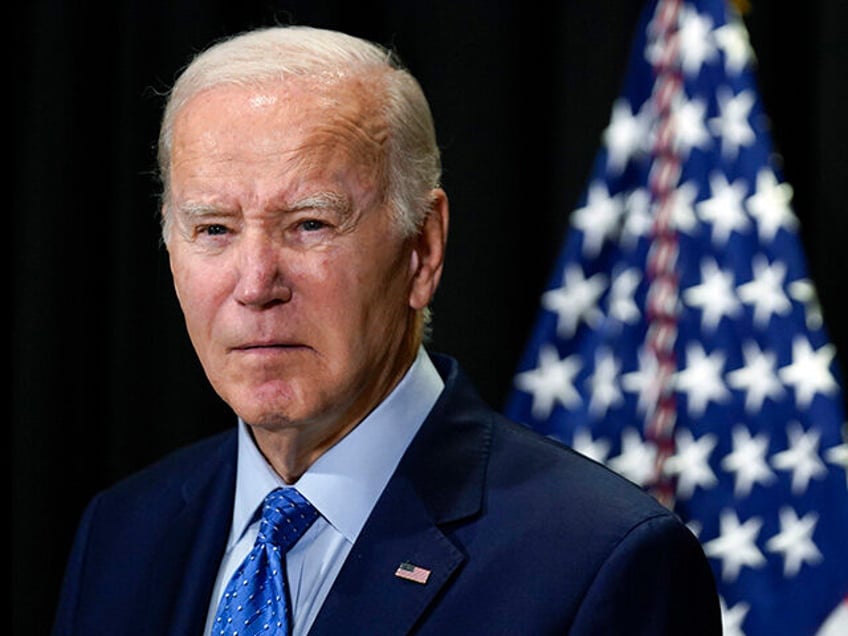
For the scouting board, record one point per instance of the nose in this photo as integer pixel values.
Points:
(261, 282)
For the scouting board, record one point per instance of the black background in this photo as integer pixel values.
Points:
(103, 376)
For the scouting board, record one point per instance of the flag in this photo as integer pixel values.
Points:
(679, 339)
(410, 572)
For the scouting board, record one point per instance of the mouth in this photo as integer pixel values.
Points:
(260, 347)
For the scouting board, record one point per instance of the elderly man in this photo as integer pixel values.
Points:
(366, 489)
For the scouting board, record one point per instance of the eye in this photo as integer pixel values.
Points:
(213, 230)
(312, 225)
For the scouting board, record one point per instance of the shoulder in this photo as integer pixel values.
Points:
(584, 532)
(521, 463)
(572, 489)
(173, 477)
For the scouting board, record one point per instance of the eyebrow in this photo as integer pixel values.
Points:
(193, 210)
(196, 210)
(322, 201)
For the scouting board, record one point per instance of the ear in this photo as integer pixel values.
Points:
(428, 252)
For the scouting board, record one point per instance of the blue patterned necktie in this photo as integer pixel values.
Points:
(256, 600)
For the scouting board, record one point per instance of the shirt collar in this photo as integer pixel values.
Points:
(342, 486)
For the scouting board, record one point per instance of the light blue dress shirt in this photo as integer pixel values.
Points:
(343, 485)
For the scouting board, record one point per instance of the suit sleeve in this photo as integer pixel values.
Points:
(657, 578)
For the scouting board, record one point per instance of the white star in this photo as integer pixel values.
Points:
(758, 377)
(732, 123)
(621, 305)
(732, 618)
(577, 300)
(809, 372)
(645, 381)
(748, 461)
(638, 219)
(732, 39)
(690, 462)
(683, 207)
(701, 379)
(838, 456)
(836, 622)
(697, 45)
(714, 296)
(771, 205)
(690, 131)
(603, 385)
(801, 457)
(765, 290)
(551, 382)
(625, 136)
(593, 449)
(724, 209)
(736, 545)
(795, 541)
(804, 292)
(636, 461)
(598, 219)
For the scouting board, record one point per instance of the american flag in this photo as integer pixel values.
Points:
(410, 572)
(679, 340)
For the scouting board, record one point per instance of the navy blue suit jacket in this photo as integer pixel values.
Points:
(522, 536)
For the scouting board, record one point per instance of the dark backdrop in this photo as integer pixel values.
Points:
(103, 376)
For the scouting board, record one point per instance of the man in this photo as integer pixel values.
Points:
(306, 231)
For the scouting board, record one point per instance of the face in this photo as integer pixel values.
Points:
(298, 293)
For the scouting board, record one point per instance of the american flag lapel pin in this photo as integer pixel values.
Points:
(410, 572)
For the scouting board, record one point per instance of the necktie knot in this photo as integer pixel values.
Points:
(286, 515)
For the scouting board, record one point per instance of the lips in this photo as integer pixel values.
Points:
(261, 346)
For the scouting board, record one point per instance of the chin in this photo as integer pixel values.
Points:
(269, 420)
(266, 405)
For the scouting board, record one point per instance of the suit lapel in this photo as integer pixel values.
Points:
(439, 480)
(184, 571)
(367, 597)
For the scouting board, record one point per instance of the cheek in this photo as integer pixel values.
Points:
(384, 292)
(199, 290)
(357, 296)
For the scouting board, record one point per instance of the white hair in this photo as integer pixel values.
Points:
(412, 164)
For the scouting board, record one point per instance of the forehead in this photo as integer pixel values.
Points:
(294, 114)
(273, 141)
